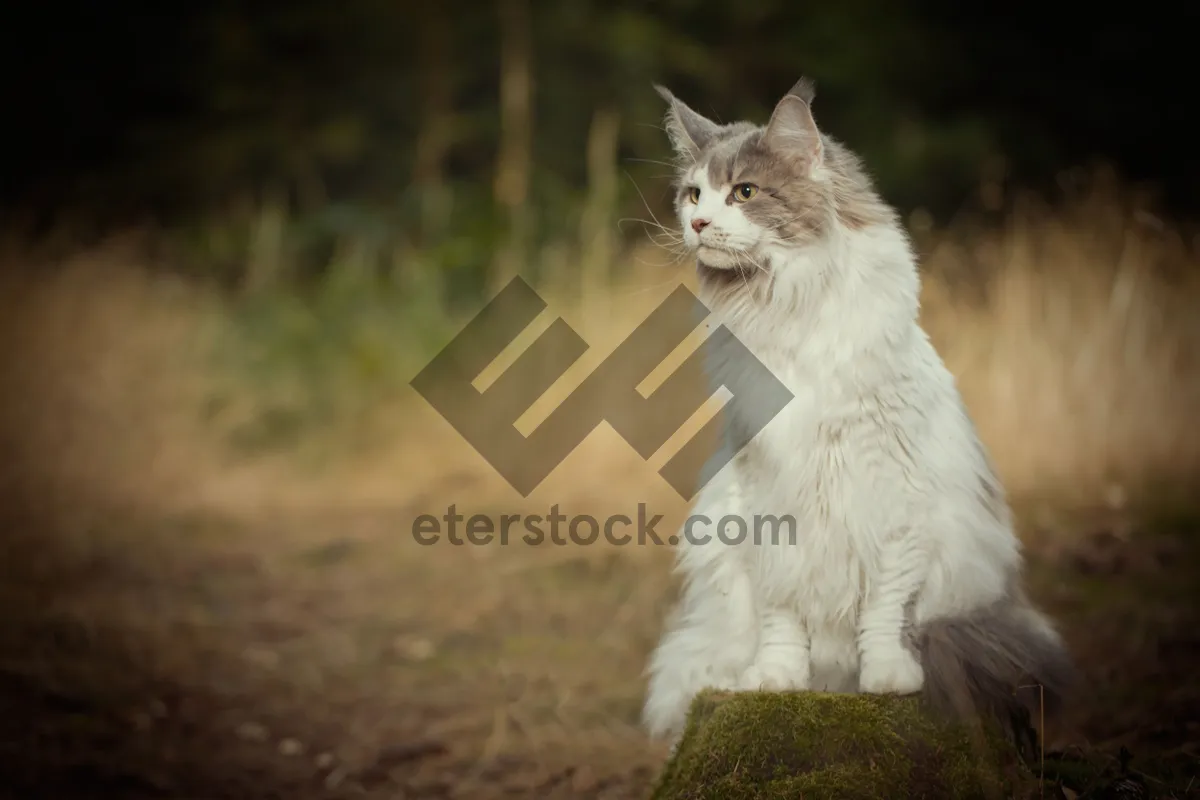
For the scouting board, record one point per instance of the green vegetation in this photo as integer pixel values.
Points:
(761, 746)
(358, 180)
(764, 745)
(309, 346)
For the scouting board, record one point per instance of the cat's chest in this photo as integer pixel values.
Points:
(832, 469)
(807, 443)
(825, 489)
(822, 494)
(839, 456)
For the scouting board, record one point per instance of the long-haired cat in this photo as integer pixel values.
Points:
(905, 574)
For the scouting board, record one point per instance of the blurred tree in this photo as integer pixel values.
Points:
(435, 135)
(467, 121)
(513, 161)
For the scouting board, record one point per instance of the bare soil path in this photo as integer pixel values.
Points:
(317, 651)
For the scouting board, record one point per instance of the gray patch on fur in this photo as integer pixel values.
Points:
(789, 202)
(1002, 661)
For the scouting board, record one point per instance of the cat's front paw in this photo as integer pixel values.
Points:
(773, 677)
(725, 683)
(893, 672)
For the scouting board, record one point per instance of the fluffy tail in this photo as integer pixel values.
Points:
(1003, 661)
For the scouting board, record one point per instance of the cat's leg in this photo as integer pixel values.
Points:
(708, 644)
(713, 635)
(886, 664)
(783, 661)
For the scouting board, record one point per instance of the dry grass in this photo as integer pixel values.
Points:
(1070, 329)
(295, 601)
(1077, 347)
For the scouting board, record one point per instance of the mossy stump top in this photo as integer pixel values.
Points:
(816, 745)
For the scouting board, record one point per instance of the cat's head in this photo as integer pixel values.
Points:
(748, 194)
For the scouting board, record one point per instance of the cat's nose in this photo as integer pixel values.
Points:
(699, 224)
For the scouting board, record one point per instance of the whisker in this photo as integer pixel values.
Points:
(651, 223)
(642, 196)
(652, 161)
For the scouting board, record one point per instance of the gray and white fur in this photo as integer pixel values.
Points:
(905, 575)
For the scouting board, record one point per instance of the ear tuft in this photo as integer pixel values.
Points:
(689, 132)
(805, 89)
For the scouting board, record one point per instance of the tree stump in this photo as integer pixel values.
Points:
(815, 745)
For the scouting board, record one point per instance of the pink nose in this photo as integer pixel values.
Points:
(699, 225)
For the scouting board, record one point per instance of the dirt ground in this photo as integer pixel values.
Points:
(316, 650)
(307, 648)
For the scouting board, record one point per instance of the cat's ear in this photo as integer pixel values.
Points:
(792, 128)
(690, 132)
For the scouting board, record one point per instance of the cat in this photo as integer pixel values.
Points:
(905, 576)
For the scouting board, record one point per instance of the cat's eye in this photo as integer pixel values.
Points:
(744, 191)
(693, 194)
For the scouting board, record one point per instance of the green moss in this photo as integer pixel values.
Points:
(812, 745)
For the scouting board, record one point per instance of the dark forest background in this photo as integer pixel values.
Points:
(124, 111)
(380, 166)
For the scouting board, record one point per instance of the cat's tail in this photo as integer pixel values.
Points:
(1003, 660)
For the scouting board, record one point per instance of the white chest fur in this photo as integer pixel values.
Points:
(835, 468)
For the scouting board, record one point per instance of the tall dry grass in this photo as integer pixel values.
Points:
(1070, 327)
(1073, 334)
